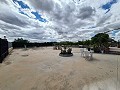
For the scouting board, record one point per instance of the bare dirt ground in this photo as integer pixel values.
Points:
(44, 69)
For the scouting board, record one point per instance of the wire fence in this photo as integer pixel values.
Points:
(3, 49)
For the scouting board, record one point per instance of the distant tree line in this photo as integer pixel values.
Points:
(21, 40)
(20, 43)
(99, 41)
(87, 42)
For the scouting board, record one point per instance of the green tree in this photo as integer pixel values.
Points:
(21, 40)
(87, 42)
(100, 41)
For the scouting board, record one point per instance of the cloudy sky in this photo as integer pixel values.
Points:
(58, 20)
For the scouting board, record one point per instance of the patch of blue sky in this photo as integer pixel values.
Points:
(14, 1)
(22, 12)
(23, 5)
(38, 17)
(108, 5)
(113, 32)
(116, 31)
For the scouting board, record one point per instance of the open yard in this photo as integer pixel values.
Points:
(43, 69)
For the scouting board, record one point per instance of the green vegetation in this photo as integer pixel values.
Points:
(100, 42)
(21, 40)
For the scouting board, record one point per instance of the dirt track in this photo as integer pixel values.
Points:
(44, 69)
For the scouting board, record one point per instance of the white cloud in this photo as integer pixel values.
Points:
(66, 20)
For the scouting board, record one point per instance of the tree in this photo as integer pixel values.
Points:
(21, 40)
(100, 41)
(87, 42)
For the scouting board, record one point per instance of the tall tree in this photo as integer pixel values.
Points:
(100, 40)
